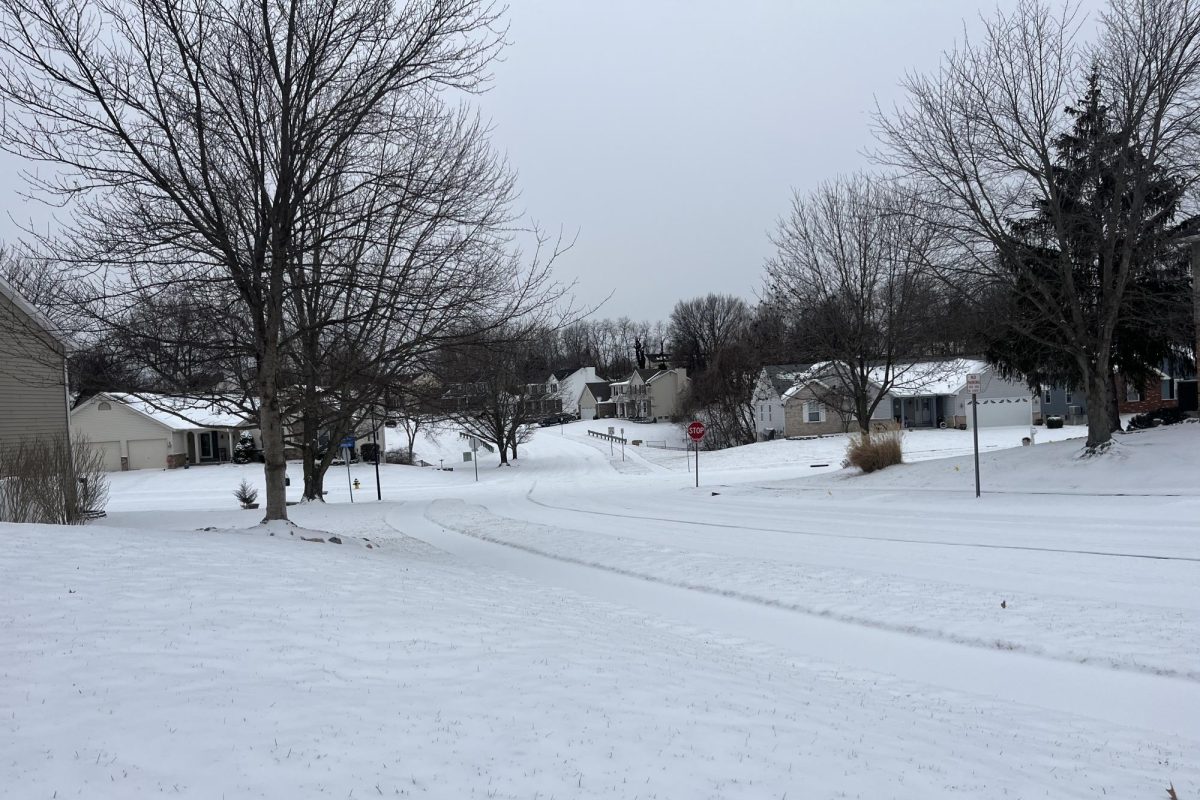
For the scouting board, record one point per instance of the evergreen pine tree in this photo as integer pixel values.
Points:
(1089, 198)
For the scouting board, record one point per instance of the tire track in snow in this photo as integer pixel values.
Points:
(849, 619)
(892, 539)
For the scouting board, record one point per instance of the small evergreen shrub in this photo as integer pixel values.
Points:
(1053, 422)
(871, 453)
(243, 451)
(1152, 419)
(246, 494)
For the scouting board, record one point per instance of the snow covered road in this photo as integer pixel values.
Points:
(578, 626)
(1151, 702)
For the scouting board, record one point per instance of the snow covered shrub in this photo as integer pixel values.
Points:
(52, 480)
(246, 494)
(398, 457)
(243, 451)
(1053, 422)
(1152, 419)
(871, 453)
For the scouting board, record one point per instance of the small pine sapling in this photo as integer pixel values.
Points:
(247, 495)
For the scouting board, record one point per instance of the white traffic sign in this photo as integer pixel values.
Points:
(974, 383)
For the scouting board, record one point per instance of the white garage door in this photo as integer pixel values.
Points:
(148, 454)
(587, 413)
(112, 455)
(1001, 411)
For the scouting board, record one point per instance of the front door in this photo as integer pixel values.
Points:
(925, 411)
(208, 445)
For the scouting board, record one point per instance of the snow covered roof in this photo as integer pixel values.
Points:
(910, 379)
(187, 413)
(925, 378)
(660, 372)
(782, 377)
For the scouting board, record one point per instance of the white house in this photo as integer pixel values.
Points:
(160, 432)
(568, 384)
(773, 381)
(595, 402)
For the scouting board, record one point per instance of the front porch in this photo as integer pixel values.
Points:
(213, 446)
(924, 411)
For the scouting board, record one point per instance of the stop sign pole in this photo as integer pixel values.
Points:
(695, 432)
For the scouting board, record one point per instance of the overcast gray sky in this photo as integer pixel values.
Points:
(670, 134)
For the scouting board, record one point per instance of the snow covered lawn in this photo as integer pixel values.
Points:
(827, 636)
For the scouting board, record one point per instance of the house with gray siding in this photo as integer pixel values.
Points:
(33, 372)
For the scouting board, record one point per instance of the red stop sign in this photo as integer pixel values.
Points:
(696, 431)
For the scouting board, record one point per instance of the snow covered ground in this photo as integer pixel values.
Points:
(587, 625)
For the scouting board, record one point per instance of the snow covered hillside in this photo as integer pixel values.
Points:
(587, 624)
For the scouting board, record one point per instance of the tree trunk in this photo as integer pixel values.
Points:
(1099, 414)
(271, 424)
(1196, 303)
(412, 441)
(1114, 407)
(312, 489)
(310, 469)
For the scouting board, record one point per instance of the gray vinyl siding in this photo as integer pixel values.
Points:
(33, 398)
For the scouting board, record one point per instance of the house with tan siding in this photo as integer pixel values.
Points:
(33, 372)
(150, 431)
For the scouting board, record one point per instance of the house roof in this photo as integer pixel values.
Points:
(909, 379)
(647, 374)
(783, 376)
(600, 391)
(559, 374)
(10, 291)
(186, 413)
(925, 378)
(658, 373)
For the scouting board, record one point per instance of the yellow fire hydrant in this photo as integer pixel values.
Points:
(357, 485)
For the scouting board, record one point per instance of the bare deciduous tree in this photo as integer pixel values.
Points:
(192, 139)
(980, 137)
(851, 268)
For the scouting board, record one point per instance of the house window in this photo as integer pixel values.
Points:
(768, 413)
(814, 412)
(1069, 397)
(1132, 395)
(103, 406)
(1046, 398)
(1168, 389)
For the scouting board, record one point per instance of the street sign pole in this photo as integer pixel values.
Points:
(975, 434)
(695, 432)
(475, 456)
(349, 483)
(974, 386)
